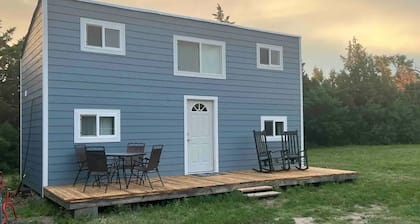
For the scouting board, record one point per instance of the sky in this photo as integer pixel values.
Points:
(382, 27)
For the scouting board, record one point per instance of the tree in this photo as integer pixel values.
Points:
(405, 71)
(10, 55)
(220, 15)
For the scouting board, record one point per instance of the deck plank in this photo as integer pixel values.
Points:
(72, 197)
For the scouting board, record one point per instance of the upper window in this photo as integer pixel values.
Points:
(202, 58)
(274, 126)
(96, 125)
(269, 57)
(102, 37)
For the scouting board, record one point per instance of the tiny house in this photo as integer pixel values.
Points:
(105, 74)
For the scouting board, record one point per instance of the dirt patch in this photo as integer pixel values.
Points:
(304, 220)
(272, 202)
(40, 220)
(363, 217)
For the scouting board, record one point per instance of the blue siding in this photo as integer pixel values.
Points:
(32, 83)
(142, 85)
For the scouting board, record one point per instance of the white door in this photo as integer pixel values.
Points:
(200, 141)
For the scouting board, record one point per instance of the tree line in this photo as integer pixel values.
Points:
(374, 99)
(10, 55)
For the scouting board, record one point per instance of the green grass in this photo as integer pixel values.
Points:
(386, 191)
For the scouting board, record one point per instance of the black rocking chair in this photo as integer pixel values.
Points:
(296, 156)
(268, 160)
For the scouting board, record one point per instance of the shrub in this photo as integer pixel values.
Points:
(9, 148)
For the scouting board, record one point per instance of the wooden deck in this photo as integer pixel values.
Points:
(72, 198)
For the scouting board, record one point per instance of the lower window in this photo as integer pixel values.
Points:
(274, 126)
(96, 125)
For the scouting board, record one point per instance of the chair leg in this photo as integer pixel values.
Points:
(107, 183)
(148, 179)
(140, 177)
(117, 174)
(131, 174)
(157, 171)
(77, 176)
(86, 181)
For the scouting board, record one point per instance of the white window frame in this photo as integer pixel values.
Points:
(274, 119)
(200, 42)
(116, 137)
(104, 24)
(270, 66)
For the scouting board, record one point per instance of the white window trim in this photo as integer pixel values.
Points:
(270, 66)
(200, 42)
(104, 24)
(274, 119)
(99, 138)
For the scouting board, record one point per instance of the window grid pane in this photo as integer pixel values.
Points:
(88, 125)
(112, 38)
(211, 59)
(264, 56)
(268, 127)
(94, 35)
(106, 126)
(275, 57)
(279, 125)
(188, 56)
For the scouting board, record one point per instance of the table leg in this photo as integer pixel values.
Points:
(124, 173)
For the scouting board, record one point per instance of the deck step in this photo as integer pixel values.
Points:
(255, 189)
(264, 194)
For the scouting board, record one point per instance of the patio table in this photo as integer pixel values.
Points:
(122, 156)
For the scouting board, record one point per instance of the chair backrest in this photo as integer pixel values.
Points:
(290, 142)
(261, 143)
(80, 151)
(96, 159)
(135, 147)
(155, 157)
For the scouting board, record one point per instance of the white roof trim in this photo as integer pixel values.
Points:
(182, 17)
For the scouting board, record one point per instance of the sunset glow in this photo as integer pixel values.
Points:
(383, 27)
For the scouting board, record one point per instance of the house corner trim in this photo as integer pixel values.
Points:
(44, 95)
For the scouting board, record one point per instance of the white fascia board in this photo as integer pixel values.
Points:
(183, 17)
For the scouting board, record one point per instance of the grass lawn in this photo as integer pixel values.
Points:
(387, 191)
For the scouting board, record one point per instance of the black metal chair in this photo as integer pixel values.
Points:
(268, 160)
(151, 165)
(80, 151)
(297, 156)
(135, 148)
(97, 166)
(132, 162)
